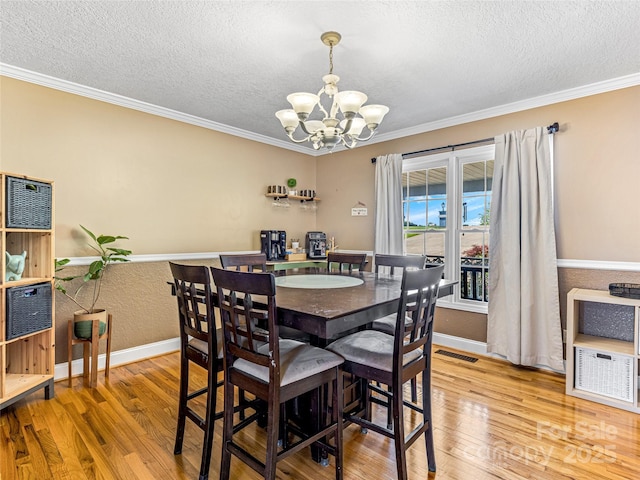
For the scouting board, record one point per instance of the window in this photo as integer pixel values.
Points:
(446, 208)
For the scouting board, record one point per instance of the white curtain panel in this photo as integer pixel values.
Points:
(524, 306)
(388, 226)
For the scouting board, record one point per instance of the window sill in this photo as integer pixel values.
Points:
(482, 308)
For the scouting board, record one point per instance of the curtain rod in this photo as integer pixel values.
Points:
(551, 129)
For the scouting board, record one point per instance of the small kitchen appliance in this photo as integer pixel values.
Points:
(273, 243)
(316, 245)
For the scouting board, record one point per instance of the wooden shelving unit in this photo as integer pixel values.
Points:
(26, 361)
(601, 367)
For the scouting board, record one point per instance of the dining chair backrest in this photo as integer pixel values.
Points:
(252, 262)
(398, 261)
(352, 261)
(248, 261)
(195, 305)
(419, 293)
(243, 318)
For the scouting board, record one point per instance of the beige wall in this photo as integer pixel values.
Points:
(597, 169)
(120, 171)
(169, 186)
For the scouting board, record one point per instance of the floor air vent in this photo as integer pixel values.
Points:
(466, 358)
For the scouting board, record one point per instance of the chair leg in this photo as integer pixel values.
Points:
(390, 409)
(398, 432)
(227, 434)
(273, 432)
(426, 409)
(243, 401)
(283, 435)
(182, 403)
(210, 420)
(336, 414)
(414, 390)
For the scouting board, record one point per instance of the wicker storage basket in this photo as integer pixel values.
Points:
(28, 204)
(604, 373)
(28, 309)
(628, 290)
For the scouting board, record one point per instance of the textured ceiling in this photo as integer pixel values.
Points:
(234, 62)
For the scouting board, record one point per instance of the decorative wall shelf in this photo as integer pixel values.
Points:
(292, 197)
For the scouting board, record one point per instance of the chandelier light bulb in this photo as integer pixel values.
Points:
(357, 124)
(331, 130)
(313, 125)
(373, 114)
(303, 103)
(350, 101)
(288, 118)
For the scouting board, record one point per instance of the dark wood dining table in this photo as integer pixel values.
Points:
(328, 313)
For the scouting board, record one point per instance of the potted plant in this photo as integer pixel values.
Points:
(291, 183)
(94, 275)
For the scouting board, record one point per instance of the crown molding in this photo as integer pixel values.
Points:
(543, 100)
(535, 102)
(122, 101)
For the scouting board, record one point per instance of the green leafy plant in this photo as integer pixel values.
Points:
(485, 217)
(96, 270)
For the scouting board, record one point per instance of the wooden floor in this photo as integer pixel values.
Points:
(492, 421)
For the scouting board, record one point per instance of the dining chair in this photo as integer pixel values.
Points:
(393, 360)
(245, 261)
(350, 261)
(200, 343)
(251, 262)
(392, 263)
(276, 372)
(387, 324)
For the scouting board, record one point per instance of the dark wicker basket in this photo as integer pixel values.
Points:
(28, 204)
(28, 309)
(628, 290)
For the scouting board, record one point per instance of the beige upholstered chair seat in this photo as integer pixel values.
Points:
(388, 324)
(372, 348)
(298, 360)
(202, 345)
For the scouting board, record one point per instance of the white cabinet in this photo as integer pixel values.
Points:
(603, 348)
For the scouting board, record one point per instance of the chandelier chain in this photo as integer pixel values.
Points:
(331, 59)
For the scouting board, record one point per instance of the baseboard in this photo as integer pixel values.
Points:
(135, 354)
(120, 357)
(460, 343)
(474, 346)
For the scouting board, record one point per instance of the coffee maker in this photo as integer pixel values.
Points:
(316, 245)
(273, 243)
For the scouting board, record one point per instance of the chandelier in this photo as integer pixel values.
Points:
(331, 130)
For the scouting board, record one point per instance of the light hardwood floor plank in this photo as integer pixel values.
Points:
(492, 421)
